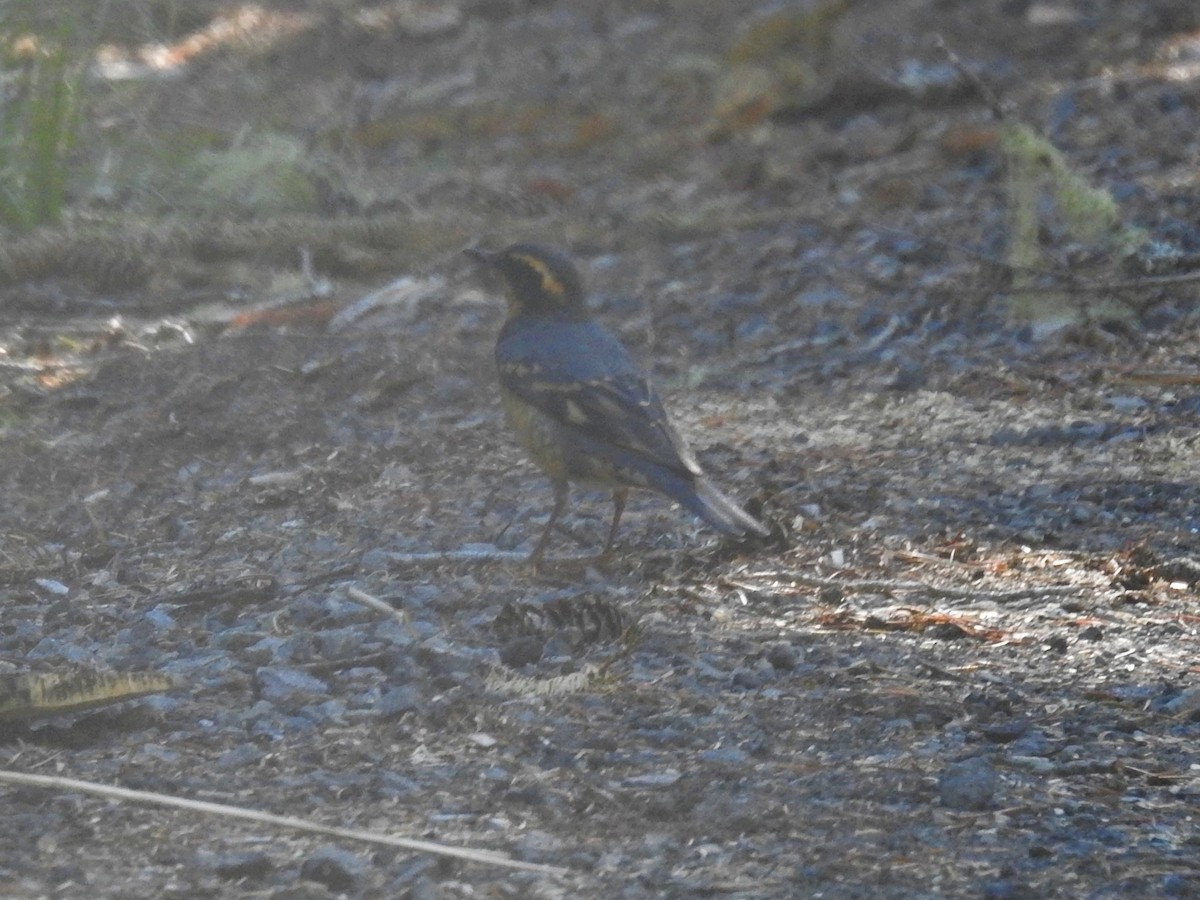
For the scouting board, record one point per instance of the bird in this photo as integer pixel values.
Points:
(580, 406)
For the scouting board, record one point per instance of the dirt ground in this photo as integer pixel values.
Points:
(964, 665)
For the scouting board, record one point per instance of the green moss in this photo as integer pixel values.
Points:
(1040, 182)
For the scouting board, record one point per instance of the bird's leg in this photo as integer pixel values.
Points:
(561, 494)
(620, 495)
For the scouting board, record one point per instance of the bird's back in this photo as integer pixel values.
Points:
(580, 376)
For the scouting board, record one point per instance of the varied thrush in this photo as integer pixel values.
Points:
(579, 405)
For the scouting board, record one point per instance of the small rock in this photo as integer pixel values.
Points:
(1036, 764)
(522, 651)
(968, 785)
(746, 679)
(397, 701)
(1176, 885)
(753, 326)
(882, 267)
(443, 661)
(526, 795)
(831, 595)
(1008, 890)
(391, 784)
(1182, 568)
(68, 872)
(326, 713)
(820, 298)
(782, 656)
(239, 640)
(665, 778)
(1032, 743)
(729, 755)
(269, 649)
(238, 757)
(1006, 732)
(1187, 702)
(337, 869)
(1127, 404)
(909, 376)
(945, 631)
(1057, 644)
(538, 846)
(159, 618)
(340, 643)
(424, 888)
(284, 686)
(375, 559)
(1082, 512)
(302, 890)
(237, 865)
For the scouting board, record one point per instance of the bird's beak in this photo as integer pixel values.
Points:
(481, 256)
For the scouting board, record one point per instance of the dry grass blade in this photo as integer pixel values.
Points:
(485, 857)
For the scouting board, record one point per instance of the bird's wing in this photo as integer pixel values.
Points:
(582, 378)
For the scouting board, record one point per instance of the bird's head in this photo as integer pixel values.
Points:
(537, 279)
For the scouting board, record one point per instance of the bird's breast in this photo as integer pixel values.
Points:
(538, 434)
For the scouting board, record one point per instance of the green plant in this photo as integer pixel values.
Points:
(40, 114)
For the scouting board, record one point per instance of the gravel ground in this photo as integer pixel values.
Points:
(963, 665)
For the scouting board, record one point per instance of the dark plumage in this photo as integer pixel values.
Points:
(579, 405)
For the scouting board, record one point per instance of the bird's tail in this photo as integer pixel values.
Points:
(719, 511)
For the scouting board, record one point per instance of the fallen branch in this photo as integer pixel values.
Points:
(1141, 283)
(487, 857)
(889, 585)
(481, 557)
(439, 557)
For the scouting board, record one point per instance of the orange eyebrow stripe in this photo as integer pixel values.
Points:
(550, 284)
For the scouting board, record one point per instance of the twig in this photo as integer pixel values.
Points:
(479, 557)
(989, 96)
(1128, 284)
(887, 585)
(1143, 376)
(438, 557)
(358, 595)
(487, 857)
(1075, 286)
